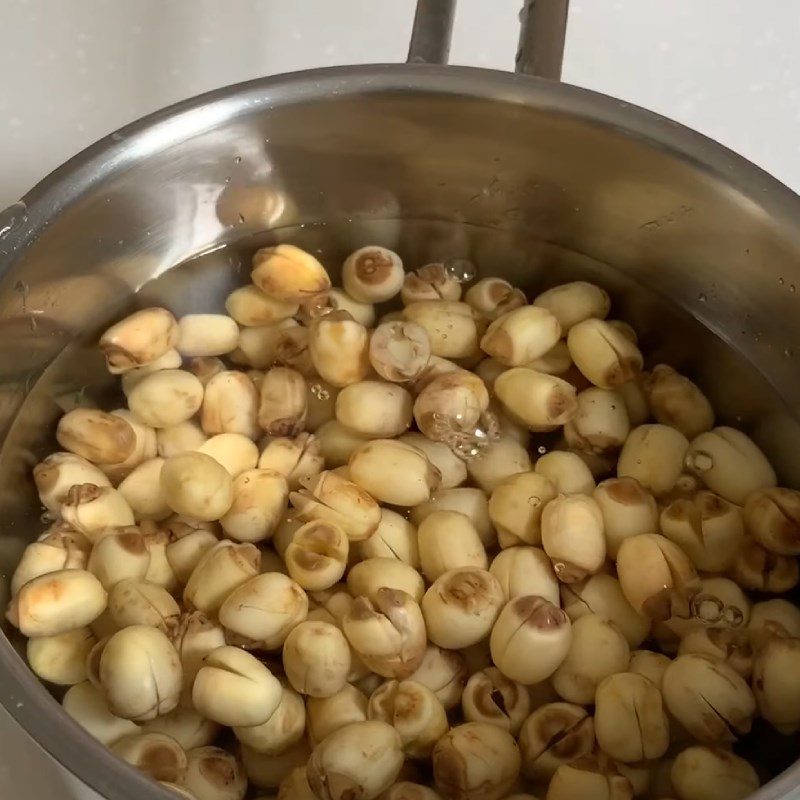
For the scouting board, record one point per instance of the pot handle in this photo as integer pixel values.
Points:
(540, 52)
(430, 36)
(542, 33)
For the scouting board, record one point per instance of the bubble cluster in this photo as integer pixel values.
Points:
(315, 308)
(468, 443)
(320, 392)
(710, 610)
(491, 425)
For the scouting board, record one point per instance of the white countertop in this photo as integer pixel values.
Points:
(75, 70)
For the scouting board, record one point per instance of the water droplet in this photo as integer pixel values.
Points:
(702, 298)
(47, 517)
(320, 392)
(227, 179)
(12, 217)
(541, 449)
(460, 270)
(237, 160)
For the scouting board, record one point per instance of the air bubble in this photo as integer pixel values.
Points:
(733, 616)
(320, 392)
(781, 281)
(466, 448)
(534, 501)
(22, 288)
(317, 308)
(707, 609)
(491, 425)
(686, 483)
(701, 461)
(235, 262)
(541, 449)
(439, 425)
(237, 160)
(460, 270)
(702, 298)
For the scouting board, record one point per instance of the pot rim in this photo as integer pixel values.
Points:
(21, 693)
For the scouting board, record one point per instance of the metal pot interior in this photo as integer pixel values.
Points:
(532, 181)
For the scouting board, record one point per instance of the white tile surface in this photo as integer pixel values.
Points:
(75, 70)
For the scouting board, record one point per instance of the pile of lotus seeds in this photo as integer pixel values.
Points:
(323, 555)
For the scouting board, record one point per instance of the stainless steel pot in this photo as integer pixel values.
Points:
(531, 179)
